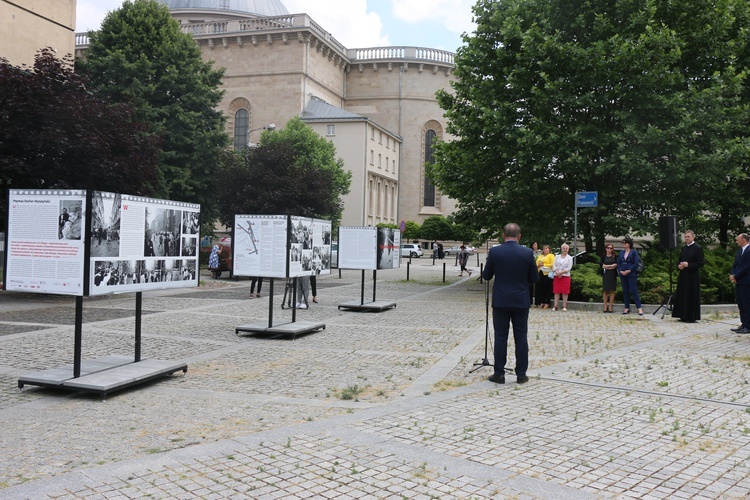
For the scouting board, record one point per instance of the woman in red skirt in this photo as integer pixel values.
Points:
(561, 284)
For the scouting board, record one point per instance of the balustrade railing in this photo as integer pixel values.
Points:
(373, 54)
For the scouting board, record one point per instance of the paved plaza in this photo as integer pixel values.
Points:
(377, 405)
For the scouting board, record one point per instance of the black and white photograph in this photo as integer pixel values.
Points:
(108, 273)
(388, 248)
(307, 257)
(190, 222)
(70, 220)
(189, 246)
(106, 212)
(162, 235)
(295, 252)
(325, 258)
(302, 233)
(316, 264)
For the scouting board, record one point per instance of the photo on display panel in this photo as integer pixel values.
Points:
(106, 213)
(162, 234)
(71, 219)
(325, 257)
(295, 252)
(190, 222)
(189, 246)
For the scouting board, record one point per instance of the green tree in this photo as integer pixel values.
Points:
(319, 155)
(436, 227)
(643, 101)
(55, 134)
(274, 178)
(140, 55)
(412, 230)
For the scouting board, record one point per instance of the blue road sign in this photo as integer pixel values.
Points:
(587, 198)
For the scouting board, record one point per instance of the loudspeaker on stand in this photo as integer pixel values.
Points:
(668, 237)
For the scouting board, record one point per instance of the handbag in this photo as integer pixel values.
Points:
(551, 275)
(640, 267)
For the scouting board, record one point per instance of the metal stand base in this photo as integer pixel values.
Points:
(103, 375)
(294, 328)
(376, 306)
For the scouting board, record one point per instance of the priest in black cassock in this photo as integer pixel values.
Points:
(687, 299)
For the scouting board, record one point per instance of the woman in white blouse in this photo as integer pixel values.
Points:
(561, 284)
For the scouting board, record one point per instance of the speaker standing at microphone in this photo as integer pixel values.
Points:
(687, 298)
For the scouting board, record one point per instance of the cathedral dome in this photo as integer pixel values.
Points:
(252, 7)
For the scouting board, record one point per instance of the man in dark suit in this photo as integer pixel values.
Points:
(514, 269)
(741, 278)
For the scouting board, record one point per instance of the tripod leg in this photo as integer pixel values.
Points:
(667, 306)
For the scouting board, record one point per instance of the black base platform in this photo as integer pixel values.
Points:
(103, 375)
(295, 328)
(376, 306)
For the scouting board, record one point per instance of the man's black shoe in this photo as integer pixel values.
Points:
(522, 379)
(743, 330)
(737, 329)
(498, 378)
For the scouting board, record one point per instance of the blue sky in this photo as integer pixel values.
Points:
(436, 24)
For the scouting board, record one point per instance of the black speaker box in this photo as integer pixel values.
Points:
(668, 238)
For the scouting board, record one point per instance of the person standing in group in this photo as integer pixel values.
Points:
(609, 277)
(533, 288)
(627, 262)
(463, 259)
(687, 298)
(561, 283)
(514, 269)
(544, 263)
(741, 278)
(440, 251)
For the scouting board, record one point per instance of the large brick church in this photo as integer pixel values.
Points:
(377, 105)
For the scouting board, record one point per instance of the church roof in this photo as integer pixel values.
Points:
(318, 109)
(254, 7)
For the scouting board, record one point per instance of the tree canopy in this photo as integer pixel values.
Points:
(319, 154)
(56, 134)
(643, 101)
(292, 171)
(140, 55)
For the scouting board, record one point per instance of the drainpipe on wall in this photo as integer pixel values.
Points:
(401, 145)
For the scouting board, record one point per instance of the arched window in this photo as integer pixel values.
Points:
(241, 124)
(429, 187)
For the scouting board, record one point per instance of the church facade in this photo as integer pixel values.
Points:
(377, 105)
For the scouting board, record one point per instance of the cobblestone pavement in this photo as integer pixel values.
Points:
(377, 405)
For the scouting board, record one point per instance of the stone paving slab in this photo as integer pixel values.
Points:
(381, 405)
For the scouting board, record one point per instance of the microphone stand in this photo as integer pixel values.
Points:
(485, 361)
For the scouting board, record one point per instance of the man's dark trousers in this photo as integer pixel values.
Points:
(743, 302)
(501, 320)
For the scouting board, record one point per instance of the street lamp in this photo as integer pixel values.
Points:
(250, 144)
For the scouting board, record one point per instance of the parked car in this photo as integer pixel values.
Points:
(456, 249)
(411, 250)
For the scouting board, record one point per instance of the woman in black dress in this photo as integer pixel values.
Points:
(609, 277)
